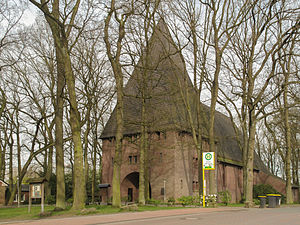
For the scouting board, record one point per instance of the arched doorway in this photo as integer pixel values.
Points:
(130, 187)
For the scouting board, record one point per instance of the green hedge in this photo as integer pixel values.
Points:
(264, 189)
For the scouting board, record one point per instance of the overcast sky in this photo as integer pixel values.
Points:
(29, 15)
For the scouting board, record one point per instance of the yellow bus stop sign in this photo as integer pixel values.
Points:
(208, 163)
(208, 160)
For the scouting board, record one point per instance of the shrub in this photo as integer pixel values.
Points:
(224, 197)
(185, 200)
(256, 201)
(197, 200)
(153, 201)
(283, 199)
(70, 201)
(211, 200)
(50, 200)
(263, 189)
(171, 201)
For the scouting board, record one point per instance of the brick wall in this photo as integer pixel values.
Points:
(173, 162)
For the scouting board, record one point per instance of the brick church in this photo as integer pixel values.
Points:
(172, 165)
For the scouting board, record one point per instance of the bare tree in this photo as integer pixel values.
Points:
(121, 14)
(209, 26)
(251, 65)
(95, 92)
(285, 59)
(40, 60)
(61, 36)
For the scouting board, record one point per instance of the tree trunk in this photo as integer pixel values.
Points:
(3, 150)
(296, 177)
(2, 156)
(200, 168)
(250, 159)
(94, 160)
(118, 147)
(211, 133)
(285, 64)
(147, 182)
(60, 169)
(245, 174)
(199, 146)
(86, 165)
(288, 186)
(245, 136)
(117, 70)
(18, 156)
(214, 97)
(78, 192)
(11, 181)
(49, 173)
(61, 32)
(142, 152)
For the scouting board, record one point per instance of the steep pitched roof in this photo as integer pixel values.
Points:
(165, 74)
(162, 70)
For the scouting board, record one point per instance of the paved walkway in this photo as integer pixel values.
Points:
(112, 218)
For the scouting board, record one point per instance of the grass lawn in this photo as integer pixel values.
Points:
(8, 214)
(21, 213)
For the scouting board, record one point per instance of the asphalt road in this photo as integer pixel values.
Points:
(207, 216)
(282, 216)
